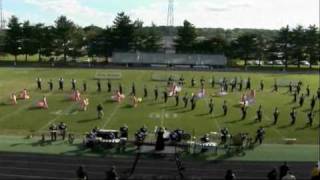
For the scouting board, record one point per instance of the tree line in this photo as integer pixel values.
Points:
(66, 39)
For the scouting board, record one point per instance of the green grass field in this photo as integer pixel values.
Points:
(20, 120)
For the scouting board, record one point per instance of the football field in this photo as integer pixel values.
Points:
(22, 119)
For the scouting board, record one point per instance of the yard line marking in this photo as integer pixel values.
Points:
(56, 118)
(275, 129)
(115, 110)
(215, 120)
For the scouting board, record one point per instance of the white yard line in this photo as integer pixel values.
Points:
(56, 118)
(275, 129)
(114, 112)
(214, 119)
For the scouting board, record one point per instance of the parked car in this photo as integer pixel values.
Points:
(304, 63)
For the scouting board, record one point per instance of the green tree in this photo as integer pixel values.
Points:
(152, 40)
(284, 44)
(313, 44)
(76, 43)
(186, 37)
(91, 39)
(123, 32)
(299, 44)
(13, 37)
(44, 40)
(29, 46)
(214, 45)
(64, 28)
(245, 47)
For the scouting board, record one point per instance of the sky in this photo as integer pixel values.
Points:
(266, 14)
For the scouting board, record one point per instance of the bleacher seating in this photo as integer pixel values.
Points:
(172, 59)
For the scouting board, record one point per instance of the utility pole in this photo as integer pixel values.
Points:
(2, 21)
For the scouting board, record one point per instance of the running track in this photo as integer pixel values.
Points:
(53, 167)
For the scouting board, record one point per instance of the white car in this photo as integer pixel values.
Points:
(306, 63)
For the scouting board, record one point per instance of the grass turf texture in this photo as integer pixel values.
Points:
(19, 119)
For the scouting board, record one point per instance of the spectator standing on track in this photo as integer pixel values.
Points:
(230, 175)
(273, 174)
(81, 173)
(283, 170)
(112, 174)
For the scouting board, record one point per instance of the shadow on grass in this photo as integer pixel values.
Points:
(302, 128)
(203, 114)
(284, 126)
(236, 106)
(154, 103)
(34, 108)
(4, 104)
(251, 123)
(109, 101)
(219, 116)
(268, 125)
(127, 106)
(306, 110)
(87, 120)
(234, 121)
(184, 111)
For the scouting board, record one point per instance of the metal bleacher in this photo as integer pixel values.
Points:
(169, 59)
